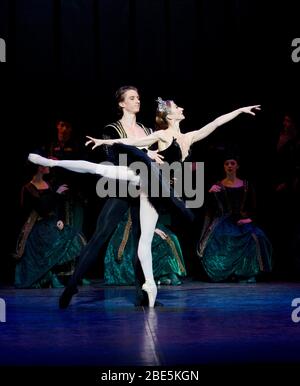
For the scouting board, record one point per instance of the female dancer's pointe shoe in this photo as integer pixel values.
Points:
(39, 160)
(151, 289)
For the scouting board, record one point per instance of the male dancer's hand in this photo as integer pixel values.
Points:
(96, 142)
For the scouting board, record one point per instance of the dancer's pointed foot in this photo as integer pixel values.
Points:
(39, 160)
(150, 287)
(66, 297)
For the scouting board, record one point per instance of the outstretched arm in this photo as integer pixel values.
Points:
(145, 141)
(197, 135)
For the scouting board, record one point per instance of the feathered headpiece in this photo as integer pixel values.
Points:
(162, 106)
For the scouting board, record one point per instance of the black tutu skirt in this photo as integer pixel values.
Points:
(167, 200)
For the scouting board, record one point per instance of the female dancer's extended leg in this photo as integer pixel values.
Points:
(109, 171)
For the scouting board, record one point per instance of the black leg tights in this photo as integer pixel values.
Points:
(108, 219)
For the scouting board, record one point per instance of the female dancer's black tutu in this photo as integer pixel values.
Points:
(167, 200)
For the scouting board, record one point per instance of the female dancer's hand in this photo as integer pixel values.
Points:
(248, 109)
(96, 142)
(153, 154)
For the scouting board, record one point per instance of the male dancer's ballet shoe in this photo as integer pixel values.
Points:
(151, 289)
(145, 303)
(66, 297)
(141, 300)
(39, 160)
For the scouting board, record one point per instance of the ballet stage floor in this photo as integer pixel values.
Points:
(199, 324)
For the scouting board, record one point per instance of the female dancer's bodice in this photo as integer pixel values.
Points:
(173, 152)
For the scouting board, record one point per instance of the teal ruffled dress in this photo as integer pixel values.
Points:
(228, 250)
(168, 263)
(43, 250)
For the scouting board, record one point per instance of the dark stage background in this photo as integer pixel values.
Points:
(65, 59)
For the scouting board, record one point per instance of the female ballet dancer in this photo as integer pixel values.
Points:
(173, 143)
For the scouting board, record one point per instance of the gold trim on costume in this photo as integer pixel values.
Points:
(174, 250)
(125, 238)
(121, 131)
(24, 234)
